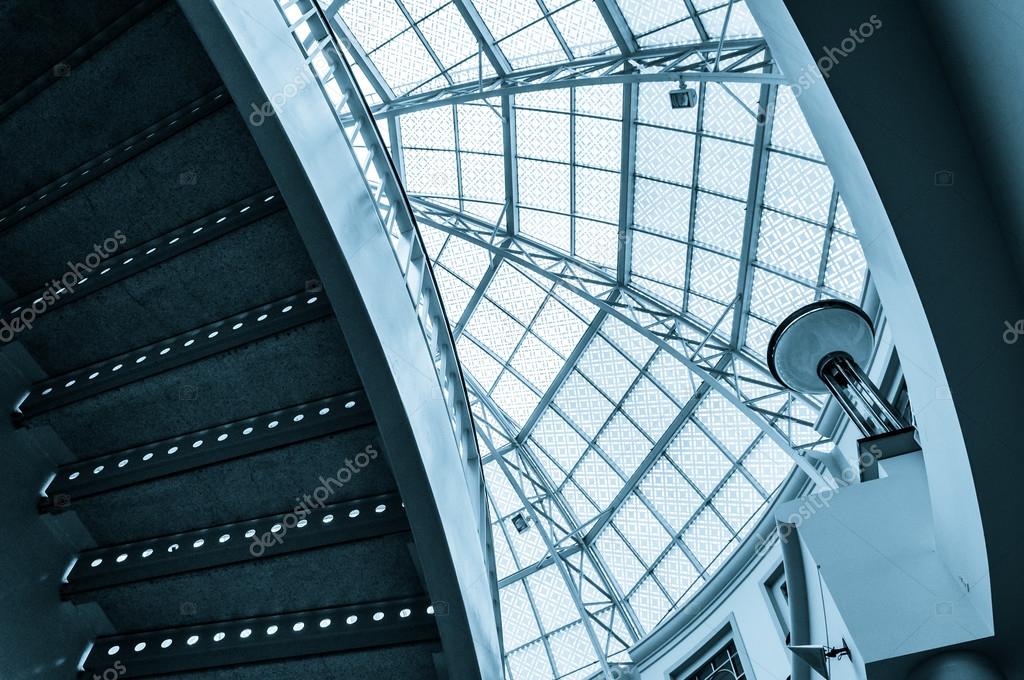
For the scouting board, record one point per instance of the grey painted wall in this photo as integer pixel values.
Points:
(980, 44)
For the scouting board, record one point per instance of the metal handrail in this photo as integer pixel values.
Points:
(325, 59)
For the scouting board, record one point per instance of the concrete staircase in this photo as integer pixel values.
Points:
(243, 514)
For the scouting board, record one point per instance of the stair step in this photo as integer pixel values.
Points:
(75, 31)
(129, 367)
(250, 640)
(308, 525)
(155, 67)
(414, 660)
(186, 452)
(300, 365)
(272, 481)
(360, 571)
(201, 168)
(78, 284)
(96, 167)
(263, 261)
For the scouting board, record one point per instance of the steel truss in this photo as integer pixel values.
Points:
(714, 354)
(740, 60)
(715, 364)
(648, 316)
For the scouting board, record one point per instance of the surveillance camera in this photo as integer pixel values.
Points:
(683, 98)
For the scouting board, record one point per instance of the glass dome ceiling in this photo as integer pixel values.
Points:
(612, 269)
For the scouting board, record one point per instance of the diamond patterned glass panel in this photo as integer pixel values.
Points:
(595, 477)
(530, 663)
(598, 142)
(478, 363)
(404, 62)
(582, 402)
(552, 599)
(649, 407)
(846, 267)
(624, 444)
(737, 501)
(790, 130)
(666, 155)
(514, 397)
(769, 464)
(703, 462)
(798, 187)
(517, 619)
(572, 649)
(774, 297)
(597, 242)
(542, 135)
(559, 439)
(730, 110)
(731, 428)
(641, 530)
(624, 565)
(559, 327)
(662, 208)
(597, 194)
(494, 329)
(373, 22)
(607, 368)
(719, 222)
(670, 494)
(725, 167)
(678, 575)
(707, 537)
(649, 603)
(635, 346)
(536, 362)
(791, 245)
(624, 393)
(713, 275)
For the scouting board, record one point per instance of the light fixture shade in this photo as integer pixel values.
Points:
(811, 334)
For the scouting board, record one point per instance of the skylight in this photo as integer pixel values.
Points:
(612, 269)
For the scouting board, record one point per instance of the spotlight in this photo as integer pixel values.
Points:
(520, 522)
(683, 98)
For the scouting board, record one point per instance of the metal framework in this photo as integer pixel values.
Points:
(740, 60)
(715, 354)
(644, 314)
